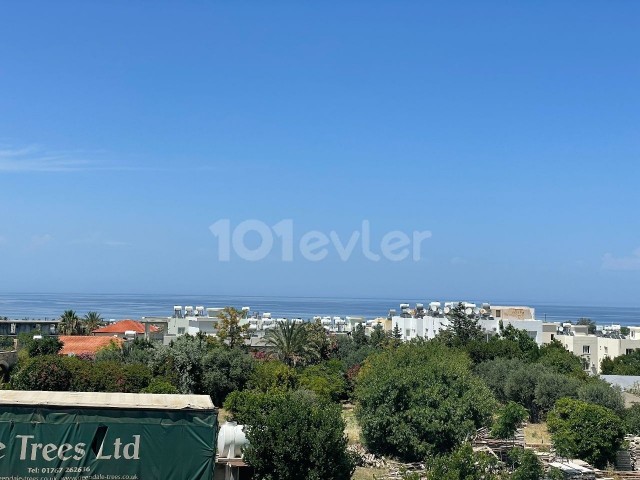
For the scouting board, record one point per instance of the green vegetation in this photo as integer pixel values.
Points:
(509, 419)
(293, 435)
(418, 401)
(584, 430)
(628, 364)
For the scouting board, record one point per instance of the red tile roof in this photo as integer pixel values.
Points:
(126, 326)
(81, 344)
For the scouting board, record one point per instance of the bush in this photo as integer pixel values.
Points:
(292, 435)
(327, 380)
(272, 376)
(557, 358)
(43, 346)
(45, 372)
(602, 393)
(510, 418)
(528, 465)
(420, 399)
(631, 418)
(586, 431)
(160, 385)
(225, 370)
(464, 464)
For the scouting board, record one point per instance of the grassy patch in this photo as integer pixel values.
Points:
(352, 429)
(537, 434)
(362, 473)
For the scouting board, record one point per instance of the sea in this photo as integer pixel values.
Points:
(136, 306)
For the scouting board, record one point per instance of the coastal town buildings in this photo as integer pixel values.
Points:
(13, 327)
(593, 348)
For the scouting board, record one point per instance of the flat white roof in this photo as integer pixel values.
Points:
(106, 400)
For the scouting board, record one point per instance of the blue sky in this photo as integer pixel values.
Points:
(509, 130)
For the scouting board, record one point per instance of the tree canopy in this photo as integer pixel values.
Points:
(585, 430)
(420, 399)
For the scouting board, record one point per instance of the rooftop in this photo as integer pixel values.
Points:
(107, 400)
(126, 326)
(81, 344)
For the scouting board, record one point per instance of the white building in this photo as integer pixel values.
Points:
(593, 348)
(428, 322)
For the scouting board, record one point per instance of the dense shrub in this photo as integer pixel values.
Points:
(586, 431)
(463, 464)
(292, 435)
(43, 346)
(45, 372)
(327, 380)
(420, 399)
(602, 393)
(225, 370)
(628, 364)
(273, 376)
(159, 385)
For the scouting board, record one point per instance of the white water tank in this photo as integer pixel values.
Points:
(231, 440)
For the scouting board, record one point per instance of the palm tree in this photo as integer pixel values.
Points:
(70, 323)
(289, 341)
(92, 321)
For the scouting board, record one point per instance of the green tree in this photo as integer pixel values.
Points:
(586, 431)
(327, 380)
(273, 376)
(70, 323)
(495, 372)
(318, 340)
(551, 387)
(91, 321)
(463, 329)
(182, 363)
(45, 372)
(378, 337)
(292, 436)
(419, 399)
(602, 393)
(43, 346)
(230, 329)
(288, 340)
(359, 336)
(559, 359)
(463, 464)
(397, 334)
(160, 385)
(509, 419)
(527, 465)
(589, 323)
(631, 418)
(628, 364)
(225, 370)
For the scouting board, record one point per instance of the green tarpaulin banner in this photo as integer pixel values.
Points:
(106, 444)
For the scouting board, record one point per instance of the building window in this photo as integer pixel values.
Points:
(498, 313)
(180, 330)
(586, 349)
(606, 349)
(630, 350)
(407, 333)
(552, 337)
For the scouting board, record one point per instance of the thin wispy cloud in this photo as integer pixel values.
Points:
(631, 262)
(34, 159)
(97, 239)
(39, 241)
